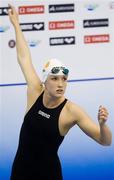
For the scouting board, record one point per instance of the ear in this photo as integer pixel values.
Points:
(43, 84)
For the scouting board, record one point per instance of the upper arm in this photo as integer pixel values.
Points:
(85, 122)
(30, 74)
(34, 85)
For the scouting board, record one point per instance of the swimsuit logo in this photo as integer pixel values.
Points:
(44, 114)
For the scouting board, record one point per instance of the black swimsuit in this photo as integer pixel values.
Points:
(36, 157)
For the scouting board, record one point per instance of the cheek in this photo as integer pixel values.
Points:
(50, 86)
(65, 84)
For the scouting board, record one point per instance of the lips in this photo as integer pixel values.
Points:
(59, 90)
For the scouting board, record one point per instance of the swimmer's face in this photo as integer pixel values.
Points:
(56, 85)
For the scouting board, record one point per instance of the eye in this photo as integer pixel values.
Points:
(54, 78)
(64, 78)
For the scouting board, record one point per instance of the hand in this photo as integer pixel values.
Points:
(13, 15)
(102, 115)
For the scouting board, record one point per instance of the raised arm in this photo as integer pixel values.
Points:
(23, 53)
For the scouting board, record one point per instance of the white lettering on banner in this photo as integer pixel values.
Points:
(87, 23)
(96, 22)
(32, 26)
(58, 8)
(37, 9)
(44, 114)
(97, 38)
(31, 9)
(62, 40)
(62, 8)
(57, 41)
(65, 8)
(102, 38)
(28, 26)
(61, 25)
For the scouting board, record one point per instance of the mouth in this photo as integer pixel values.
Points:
(59, 91)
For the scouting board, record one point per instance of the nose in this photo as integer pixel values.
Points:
(60, 83)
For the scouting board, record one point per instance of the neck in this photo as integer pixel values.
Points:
(52, 101)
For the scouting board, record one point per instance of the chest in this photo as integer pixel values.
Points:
(40, 122)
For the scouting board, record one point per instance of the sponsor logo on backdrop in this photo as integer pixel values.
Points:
(36, 26)
(53, 25)
(12, 43)
(111, 5)
(58, 8)
(4, 11)
(4, 28)
(68, 40)
(33, 43)
(89, 23)
(31, 9)
(96, 38)
(91, 7)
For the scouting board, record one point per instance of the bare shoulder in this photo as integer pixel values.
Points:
(74, 110)
(68, 117)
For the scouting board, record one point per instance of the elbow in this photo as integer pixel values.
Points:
(107, 143)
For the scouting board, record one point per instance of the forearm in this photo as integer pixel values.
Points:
(105, 135)
(23, 52)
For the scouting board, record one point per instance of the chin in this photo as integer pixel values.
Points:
(59, 94)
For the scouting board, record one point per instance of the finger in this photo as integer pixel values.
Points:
(103, 114)
(10, 6)
(11, 9)
(102, 107)
(103, 110)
